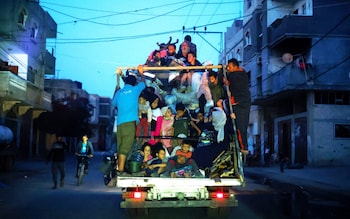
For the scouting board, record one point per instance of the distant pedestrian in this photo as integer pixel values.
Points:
(57, 156)
(282, 160)
(267, 156)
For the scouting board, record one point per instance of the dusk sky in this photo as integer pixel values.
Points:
(96, 37)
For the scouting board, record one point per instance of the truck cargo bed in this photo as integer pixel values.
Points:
(127, 182)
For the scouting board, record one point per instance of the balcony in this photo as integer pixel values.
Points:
(290, 77)
(50, 63)
(292, 26)
(16, 89)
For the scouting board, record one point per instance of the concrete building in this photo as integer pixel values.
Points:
(24, 61)
(298, 60)
(102, 121)
(102, 117)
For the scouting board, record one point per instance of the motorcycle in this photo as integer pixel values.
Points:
(108, 168)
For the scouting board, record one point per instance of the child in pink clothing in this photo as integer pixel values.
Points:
(157, 118)
(146, 153)
(167, 127)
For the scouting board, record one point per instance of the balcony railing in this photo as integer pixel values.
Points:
(50, 63)
(289, 77)
(15, 88)
(291, 25)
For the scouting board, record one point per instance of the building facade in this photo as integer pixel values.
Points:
(24, 61)
(298, 61)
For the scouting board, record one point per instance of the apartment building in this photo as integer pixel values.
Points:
(298, 61)
(24, 61)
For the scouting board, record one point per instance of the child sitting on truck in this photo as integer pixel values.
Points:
(142, 156)
(182, 165)
(156, 166)
(185, 149)
(180, 139)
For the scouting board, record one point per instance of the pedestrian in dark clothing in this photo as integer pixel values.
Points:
(267, 157)
(57, 156)
(282, 160)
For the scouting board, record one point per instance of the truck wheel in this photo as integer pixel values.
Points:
(8, 162)
(219, 211)
(132, 212)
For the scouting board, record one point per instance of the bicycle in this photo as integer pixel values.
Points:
(83, 158)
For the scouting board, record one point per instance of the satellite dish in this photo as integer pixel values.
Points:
(287, 58)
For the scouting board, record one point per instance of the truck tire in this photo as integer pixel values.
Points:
(219, 211)
(9, 162)
(137, 212)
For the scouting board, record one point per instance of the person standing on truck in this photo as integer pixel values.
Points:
(56, 155)
(125, 101)
(238, 83)
(145, 116)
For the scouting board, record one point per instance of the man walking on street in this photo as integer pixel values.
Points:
(56, 155)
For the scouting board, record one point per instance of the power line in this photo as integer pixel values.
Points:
(111, 39)
(114, 25)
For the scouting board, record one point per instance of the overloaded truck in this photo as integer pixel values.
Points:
(7, 150)
(213, 191)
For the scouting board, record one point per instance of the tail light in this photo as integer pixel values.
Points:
(219, 195)
(137, 195)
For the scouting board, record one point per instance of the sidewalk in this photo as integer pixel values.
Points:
(330, 179)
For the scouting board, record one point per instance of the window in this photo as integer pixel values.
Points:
(249, 78)
(230, 56)
(303, 9)
(332, 97)
(248, 39)
(259, 86)
(341, 131)
(105, 109)
(34, 31)
(238, 55)
(249, 4)
(22, 17)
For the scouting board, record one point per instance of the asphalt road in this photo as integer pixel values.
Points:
(26, 193)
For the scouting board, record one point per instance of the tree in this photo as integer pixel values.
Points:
(70, 117)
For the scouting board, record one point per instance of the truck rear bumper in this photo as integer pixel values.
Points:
(213, 203)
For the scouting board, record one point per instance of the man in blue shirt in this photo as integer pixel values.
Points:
(126, 102)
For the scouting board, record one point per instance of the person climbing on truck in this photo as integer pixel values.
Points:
(125, 101)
